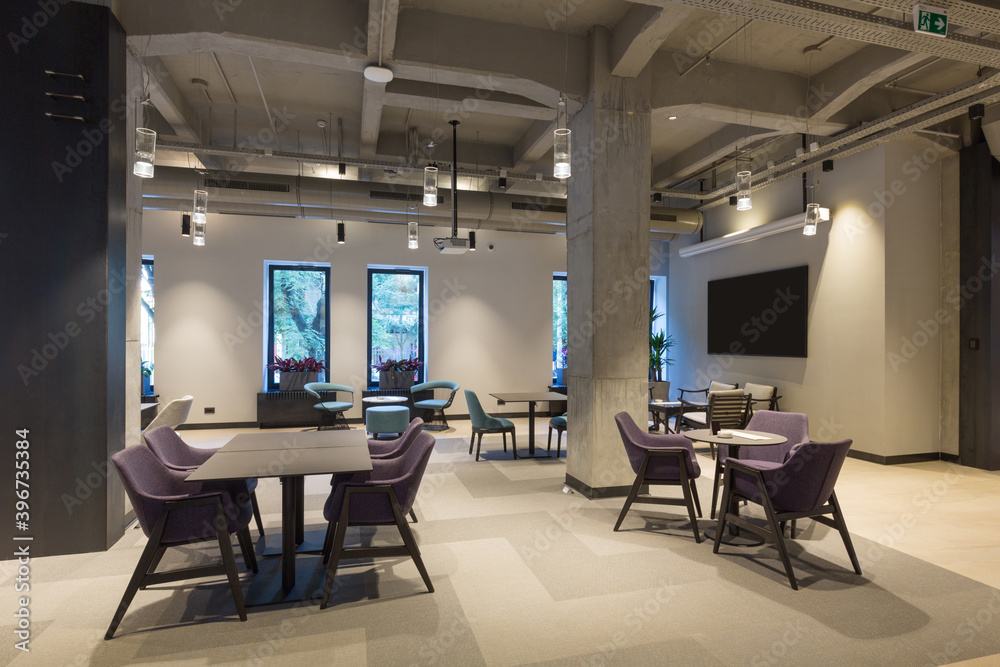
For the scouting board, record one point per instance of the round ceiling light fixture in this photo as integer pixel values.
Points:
(378, 74)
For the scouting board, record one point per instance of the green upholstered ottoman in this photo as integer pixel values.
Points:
(387, 419)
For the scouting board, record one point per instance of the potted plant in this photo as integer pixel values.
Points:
(659, 347)
(296, 373)
(396, 373)
(147, 375)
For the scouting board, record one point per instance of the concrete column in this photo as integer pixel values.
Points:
(608, 273)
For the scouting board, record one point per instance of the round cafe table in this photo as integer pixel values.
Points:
(735, 443)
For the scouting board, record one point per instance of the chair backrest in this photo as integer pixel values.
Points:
(793, 425)
(313, 389)
(174, 414)
(413, 462)
(402, 443)
(145, 480)
(477, 415)
(438, 384)
(659, 391)
(811, 473)
(729, 408)
(169, 448)
(637, 441)
(715, 387)
(761, 393)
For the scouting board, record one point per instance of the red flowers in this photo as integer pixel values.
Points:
(402, 365)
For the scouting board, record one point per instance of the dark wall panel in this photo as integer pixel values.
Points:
(979, 388)
(62, 263)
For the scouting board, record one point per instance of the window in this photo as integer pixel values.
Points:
(396, 324)
(559, 327)
(298, 319)
(147, 328)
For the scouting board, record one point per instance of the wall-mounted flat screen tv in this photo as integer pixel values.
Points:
(762, 314)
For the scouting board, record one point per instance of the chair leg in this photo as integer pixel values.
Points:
(156, 562)
(328, 541)
(256, 513)
(694, 494)
(689, 502)
(513, 444)
(246, 549)
(149, 554)
(413, 515)
(779, 537)
(336, 549)
(504, 434)
(633, 492)
(479, 445)
(715, 486)
(229, 562)
(548, 448)
(472, 441)
(838, 519)
(558, 442)
(411, 545)
(723, 509)
(444, 419)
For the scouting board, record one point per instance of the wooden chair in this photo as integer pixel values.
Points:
(762, 397)
(729, 408)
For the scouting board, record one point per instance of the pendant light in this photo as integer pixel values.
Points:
(431, 185)
(743, 190)
(200, 216)
(341, 233)
(145, 143)
(812, 219)
(412, 238)
(561, 142)
(185, 225)
(472, 241)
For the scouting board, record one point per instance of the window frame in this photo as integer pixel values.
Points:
(421, 317)
(269, 382)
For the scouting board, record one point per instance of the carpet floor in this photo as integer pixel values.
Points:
(523, 574)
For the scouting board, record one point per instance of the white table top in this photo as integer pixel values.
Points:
(384, 399)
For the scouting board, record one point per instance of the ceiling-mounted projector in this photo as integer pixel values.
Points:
(453, 246)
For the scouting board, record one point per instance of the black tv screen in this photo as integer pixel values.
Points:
(762, 314)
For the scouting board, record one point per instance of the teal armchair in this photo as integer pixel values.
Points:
(484, 423)
(433, 405)
(334, 410)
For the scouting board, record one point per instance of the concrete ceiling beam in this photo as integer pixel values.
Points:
(168, 99)
(382, 22)
(372, 103)
(703, 154)
(533, 145)
(459, 101)
(640, 33)
(845, 81)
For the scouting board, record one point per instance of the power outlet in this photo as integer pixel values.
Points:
(209, 411)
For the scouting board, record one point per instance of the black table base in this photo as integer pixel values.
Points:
(734, 537)
(266, 586)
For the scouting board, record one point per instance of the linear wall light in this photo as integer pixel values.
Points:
(796, 221)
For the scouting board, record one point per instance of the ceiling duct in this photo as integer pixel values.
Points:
(284, 196)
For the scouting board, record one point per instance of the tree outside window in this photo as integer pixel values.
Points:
(299, 321)
(396, 316)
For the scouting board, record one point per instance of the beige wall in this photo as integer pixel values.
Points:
(874, 275)
(490, 313)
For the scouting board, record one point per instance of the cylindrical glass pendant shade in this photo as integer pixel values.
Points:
(412, 239)
(812, 219)
(743, 191)
(145, 150)
(199, 233)
(562, 152)
(200, 207)
(430, 186)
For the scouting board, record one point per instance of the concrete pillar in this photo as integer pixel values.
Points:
(608, 273)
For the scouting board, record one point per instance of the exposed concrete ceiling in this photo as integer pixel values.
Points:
(263, 74)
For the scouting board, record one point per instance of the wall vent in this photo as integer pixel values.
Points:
(258, 186)
(544, 208)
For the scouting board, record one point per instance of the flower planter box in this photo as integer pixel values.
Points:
(395, 379)
(296, 380)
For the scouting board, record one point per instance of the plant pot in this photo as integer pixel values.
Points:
(147, 389)
(395, 379)
(560, 376)
(296, 380)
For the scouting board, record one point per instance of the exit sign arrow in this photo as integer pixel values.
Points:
(929, 20)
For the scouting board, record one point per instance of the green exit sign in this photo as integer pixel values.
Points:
(930, 20)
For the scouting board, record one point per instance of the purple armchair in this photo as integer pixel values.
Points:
(382, 496)
(173, 512)
(176, 454)
(793, 425)
(666, 460)
(387, 449)
(800, 487)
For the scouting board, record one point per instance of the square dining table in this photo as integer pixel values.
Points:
(531, 398)
(290, 457)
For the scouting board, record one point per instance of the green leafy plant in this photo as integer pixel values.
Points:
(292, 365)
(147, 369)
(659, 348)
